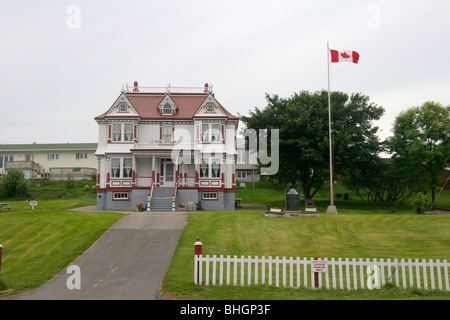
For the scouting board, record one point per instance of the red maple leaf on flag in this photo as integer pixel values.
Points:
(345, 55)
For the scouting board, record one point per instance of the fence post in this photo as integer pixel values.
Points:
(1, 257)
(198, 252)
(316, 276)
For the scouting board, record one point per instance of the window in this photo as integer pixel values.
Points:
(81, 155)
(121, 168)
(123, 108)
(122, 132)
(166, 133)
(127, 168)
(241, 156)
(128, 131)
(204, 168)
(4, 158)
(209, 196)
(28, 157)
(121, 195)
(116, 132)
(210, 108)
(52, 156)
(215, 168)
(167, 109)
(210, 168)
(115, 168)
(241, 174)
(210, 132)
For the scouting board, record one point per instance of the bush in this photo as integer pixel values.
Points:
(420, 203)
(338, 195)
(346, 196)
(69, 182)
(14, 184)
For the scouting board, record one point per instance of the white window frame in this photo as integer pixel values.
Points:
(52, 156)
(121, 168)
(122, 132)
(210, 132)
(165, 109)
(241, 156)
(120, 196)
(81, 155)
(123, 108)
(167, 135)
(240, 174)
(210, 167)
(5, 157)
(210, 195)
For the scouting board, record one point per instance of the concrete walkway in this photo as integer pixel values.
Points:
(128, 262)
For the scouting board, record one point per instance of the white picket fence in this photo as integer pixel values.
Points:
(350, 274)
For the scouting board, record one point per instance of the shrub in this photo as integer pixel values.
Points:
(14, 184)
(338, 195)
(346, 196)
(420, 203)
(69, 182)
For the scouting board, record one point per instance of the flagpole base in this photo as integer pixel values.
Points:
(331, 209)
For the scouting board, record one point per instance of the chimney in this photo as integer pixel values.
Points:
(136, 89)
(206, 87)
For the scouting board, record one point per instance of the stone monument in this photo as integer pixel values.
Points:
(292, 197)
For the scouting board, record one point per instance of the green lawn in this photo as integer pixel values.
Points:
(38, 244)
(361, 230)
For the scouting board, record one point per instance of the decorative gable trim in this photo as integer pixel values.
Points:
(122, 107)
(205, 109)
(163, 106)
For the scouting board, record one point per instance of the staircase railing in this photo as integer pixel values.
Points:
(174, 195)
(150, 194)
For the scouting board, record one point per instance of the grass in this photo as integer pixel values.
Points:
(38, 244)
(361, 230)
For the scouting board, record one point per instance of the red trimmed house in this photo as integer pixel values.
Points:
(165, 146)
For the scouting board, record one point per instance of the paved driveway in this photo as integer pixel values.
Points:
(128, 262)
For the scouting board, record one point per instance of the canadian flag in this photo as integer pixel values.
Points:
(344, 56)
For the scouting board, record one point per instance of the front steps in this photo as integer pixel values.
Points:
(161, 199)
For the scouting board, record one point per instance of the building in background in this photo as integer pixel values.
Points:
(52, 161)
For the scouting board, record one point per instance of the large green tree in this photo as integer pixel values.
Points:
(302, 121)
(421, 143)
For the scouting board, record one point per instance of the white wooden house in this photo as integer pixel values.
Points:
(50, 160)
(164, 146)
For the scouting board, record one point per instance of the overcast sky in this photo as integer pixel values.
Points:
(64, 62)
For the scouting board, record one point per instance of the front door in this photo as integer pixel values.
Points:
(166, 178)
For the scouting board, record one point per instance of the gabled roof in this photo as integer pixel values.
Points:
(146, 105)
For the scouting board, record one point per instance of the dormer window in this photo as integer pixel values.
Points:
(167, 109)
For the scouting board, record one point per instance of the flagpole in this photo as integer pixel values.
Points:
(331, 208)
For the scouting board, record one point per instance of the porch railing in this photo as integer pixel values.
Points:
(187, 182)
(143, 181)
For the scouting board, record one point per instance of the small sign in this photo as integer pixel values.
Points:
(319, 266)
(33, 203)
